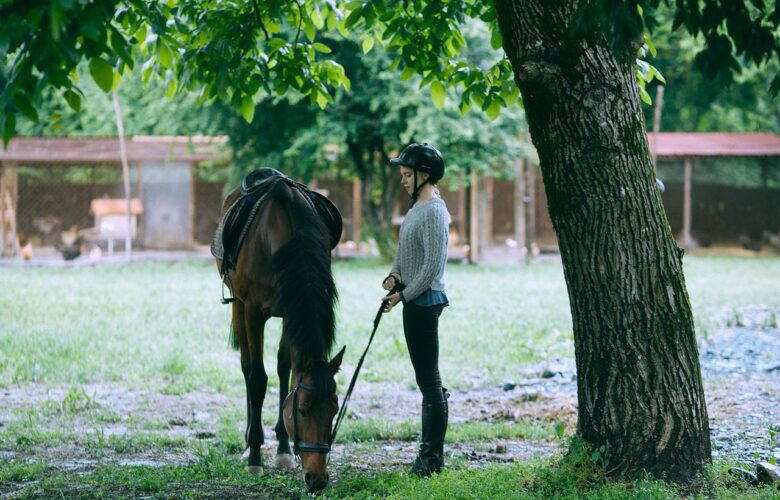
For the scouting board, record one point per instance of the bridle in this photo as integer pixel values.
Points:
(324, 448)
(298, 445)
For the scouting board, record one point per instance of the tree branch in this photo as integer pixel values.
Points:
(260, 19)
(300, 21)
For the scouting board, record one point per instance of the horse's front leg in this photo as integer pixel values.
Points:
(256, 379)
(284, 457)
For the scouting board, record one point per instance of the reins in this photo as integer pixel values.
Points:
(343, 410)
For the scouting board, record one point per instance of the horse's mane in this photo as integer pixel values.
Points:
(305, 292)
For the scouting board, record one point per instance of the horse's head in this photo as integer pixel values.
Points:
(308, 417)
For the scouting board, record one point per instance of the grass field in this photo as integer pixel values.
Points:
(158, 329)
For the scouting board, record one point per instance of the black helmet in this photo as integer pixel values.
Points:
(422, 157)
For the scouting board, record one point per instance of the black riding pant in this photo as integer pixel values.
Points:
(421, 329)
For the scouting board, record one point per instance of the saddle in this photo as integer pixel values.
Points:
(255, 187)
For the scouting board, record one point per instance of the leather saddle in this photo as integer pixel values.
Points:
(233, 227)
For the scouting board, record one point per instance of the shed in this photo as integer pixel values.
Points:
(163, 168)
(694, 151)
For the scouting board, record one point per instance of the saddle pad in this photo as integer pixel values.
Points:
(233, 227)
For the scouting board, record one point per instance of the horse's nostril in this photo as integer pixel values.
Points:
(314, 483)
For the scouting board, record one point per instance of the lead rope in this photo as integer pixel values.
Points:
(343, 410)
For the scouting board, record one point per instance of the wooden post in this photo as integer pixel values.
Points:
(462, 211)
(489, 186)
(659, 104)
(474, 219)
(125, 174)
(9, 197)
(193, 191)
(357, 211)
(687, 241)
(519, 205)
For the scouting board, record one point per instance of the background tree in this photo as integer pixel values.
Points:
(376, 118)
(641, 402)
(694, 102)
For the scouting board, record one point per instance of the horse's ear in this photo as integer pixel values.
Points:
(335, 363)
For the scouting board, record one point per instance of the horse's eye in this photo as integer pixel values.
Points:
(304, 412)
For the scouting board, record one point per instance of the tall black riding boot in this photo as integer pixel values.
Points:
(440, 464)
(430, 458)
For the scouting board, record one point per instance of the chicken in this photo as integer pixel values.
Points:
(748, 243)
(27, 251)
(71, 244)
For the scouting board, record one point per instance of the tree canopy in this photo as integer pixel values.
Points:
(238, 52)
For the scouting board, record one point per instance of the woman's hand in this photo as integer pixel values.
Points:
(390, 282)
(391, 301)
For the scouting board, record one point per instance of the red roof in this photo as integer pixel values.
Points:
(681, 144)
(105, 150)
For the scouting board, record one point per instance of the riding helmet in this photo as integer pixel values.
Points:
(422, 157)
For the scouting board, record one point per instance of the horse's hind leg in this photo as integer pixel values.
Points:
(284, 458)
(249, 324)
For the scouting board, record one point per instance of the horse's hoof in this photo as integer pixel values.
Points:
(284, 461)
(245, 455)
(254, 469)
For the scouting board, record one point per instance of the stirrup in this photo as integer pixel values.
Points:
(231, 299)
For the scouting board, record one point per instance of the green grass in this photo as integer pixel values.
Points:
(159, 328)
(161, 324)
(219, 475)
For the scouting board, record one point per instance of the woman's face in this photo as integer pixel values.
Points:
(407, 179)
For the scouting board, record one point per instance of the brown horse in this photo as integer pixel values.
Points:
(283, 270)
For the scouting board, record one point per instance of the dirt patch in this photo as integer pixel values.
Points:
(739, 362)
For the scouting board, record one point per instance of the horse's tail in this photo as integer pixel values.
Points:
(304, 291)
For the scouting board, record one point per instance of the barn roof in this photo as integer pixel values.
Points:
(682, 144)
(105, 150)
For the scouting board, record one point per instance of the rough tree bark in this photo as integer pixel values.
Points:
(639, 383)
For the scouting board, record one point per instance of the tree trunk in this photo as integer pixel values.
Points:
(640, 394)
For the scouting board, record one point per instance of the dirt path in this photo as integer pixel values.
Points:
(740, 365)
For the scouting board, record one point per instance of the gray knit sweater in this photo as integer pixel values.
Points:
(422, 250)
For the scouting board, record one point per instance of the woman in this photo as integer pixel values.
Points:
(418, 269)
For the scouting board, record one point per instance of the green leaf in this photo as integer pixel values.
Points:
(120, 46)
(495, 39)
(332, 21)
(407, 73)
(247, 108)
(57, 18)
(276, 43)
(438, 94)
(164, 54)
(368, 44)
(650, 46)
(654, 71)
(316, 18)
(465, 105)
(140, 34)
(9, 128)
(73, 100)
(25, 106)
(645, 96)
(146, 70)
(321, 47)
(494, 109)
(322, 100)
(308, 28)
(353, 18)
(102, 73)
